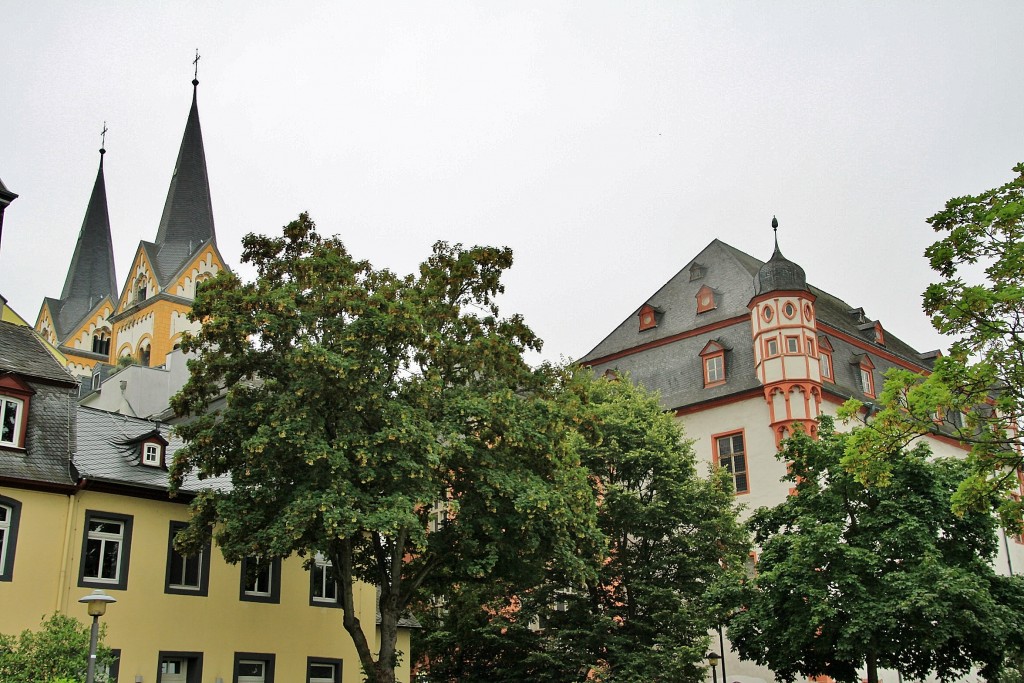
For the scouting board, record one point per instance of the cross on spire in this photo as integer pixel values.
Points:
(195, 77)
(103, 139)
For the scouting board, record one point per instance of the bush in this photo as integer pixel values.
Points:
(57, 653)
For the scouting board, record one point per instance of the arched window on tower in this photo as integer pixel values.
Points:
(144, 352)
(101, 341)
(141, 288)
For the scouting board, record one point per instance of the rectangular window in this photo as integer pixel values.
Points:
(731, 455)
(323, 670)
(714, 370)
(186, 574)
(771, 347)
(810, 347)
(867, 381)
(10, 513)
(792, 345)
(151, 454)
(323, 590)
(825, 360)
(10, 421)
(261, 580)
(106, 545)
(251, 667)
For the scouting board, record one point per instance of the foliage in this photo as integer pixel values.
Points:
(353, 401)
(976, 393)
(58, 651)
(852, 577)
(674, 564)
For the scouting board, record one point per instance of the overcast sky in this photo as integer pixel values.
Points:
(606, 143)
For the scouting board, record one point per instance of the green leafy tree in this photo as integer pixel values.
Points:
(881, 577)
(58, 651)
(976, 393)
(356, 399)
(674, 563)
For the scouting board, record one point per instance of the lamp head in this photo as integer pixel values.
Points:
(97, 602)
(713, 659)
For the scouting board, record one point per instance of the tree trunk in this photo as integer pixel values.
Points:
(872, 666)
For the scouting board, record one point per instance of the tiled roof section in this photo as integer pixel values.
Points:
(187, 220)
(23, 353)
(109, 451)
(91, 274)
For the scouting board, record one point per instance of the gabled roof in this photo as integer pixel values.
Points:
(22, 352)
(187, 219)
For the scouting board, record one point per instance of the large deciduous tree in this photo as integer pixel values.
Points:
(976, 393)
(354, 401)
(853, 577)
(675, 558)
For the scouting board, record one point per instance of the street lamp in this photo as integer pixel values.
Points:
(713, 659)
(97, 604)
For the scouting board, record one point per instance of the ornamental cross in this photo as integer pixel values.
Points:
(103, 135)
(196, 62)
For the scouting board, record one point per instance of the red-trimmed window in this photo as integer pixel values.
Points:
(706, 300)
(789, 310)
(792, 344)
(648, 317)
(15, 397)
(731, 454)
(867, 376)
(879, 334)
(810, 347)
(713, 360)
(771, 347)
(825, 359)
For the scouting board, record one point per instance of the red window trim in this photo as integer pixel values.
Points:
(746, 457)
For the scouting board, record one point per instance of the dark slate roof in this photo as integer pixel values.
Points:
(91, 275)
(187, 219)
(674, 368)
(109, 451)
(46, 458)
(779, 274)
(22, 352)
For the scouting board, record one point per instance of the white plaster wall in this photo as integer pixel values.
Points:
(135, 331)
(187, 285)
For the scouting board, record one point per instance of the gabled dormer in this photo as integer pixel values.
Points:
(706, 299)
(713, 361)
(15, 404)
(147, 450)
(649, 317)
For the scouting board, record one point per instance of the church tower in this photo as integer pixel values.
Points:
(785, 344)
(78, 323)
(152, 311)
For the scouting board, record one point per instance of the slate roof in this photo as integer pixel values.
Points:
(670, 361)
(90, 276)
(187, 219)
(109, 451)
(6, 196)
(50, 430)
(23, 353)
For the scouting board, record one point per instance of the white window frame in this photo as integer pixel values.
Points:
(333, 678)
(714, 368)
(261, 678)
(18, 406)
(6, 524)
(151, 454)
(103, 538)
(323, 582)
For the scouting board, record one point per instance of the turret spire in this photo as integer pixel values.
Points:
(188, 212)
(91, 273)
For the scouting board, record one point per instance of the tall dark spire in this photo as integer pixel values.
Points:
(91, 274)
(187, 219)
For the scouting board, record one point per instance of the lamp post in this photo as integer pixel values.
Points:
(713, 659)
(97, 604)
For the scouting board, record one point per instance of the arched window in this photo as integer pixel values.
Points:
(101, 341)
(144, 352)
(141, 287)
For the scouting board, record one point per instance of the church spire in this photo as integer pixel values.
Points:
(187, 219)
(91, 274)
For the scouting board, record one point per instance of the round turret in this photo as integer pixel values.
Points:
(779, 274)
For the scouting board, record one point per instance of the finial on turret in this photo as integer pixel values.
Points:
(775, 229)
(195, 78)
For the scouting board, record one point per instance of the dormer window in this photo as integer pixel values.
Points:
(11, 412)
(697, 271)
(879, 334)
(649, 316)
(825, 359)
(867, 378)
(706, 300)
(15, 398)
(152, 454)
(713, 360)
